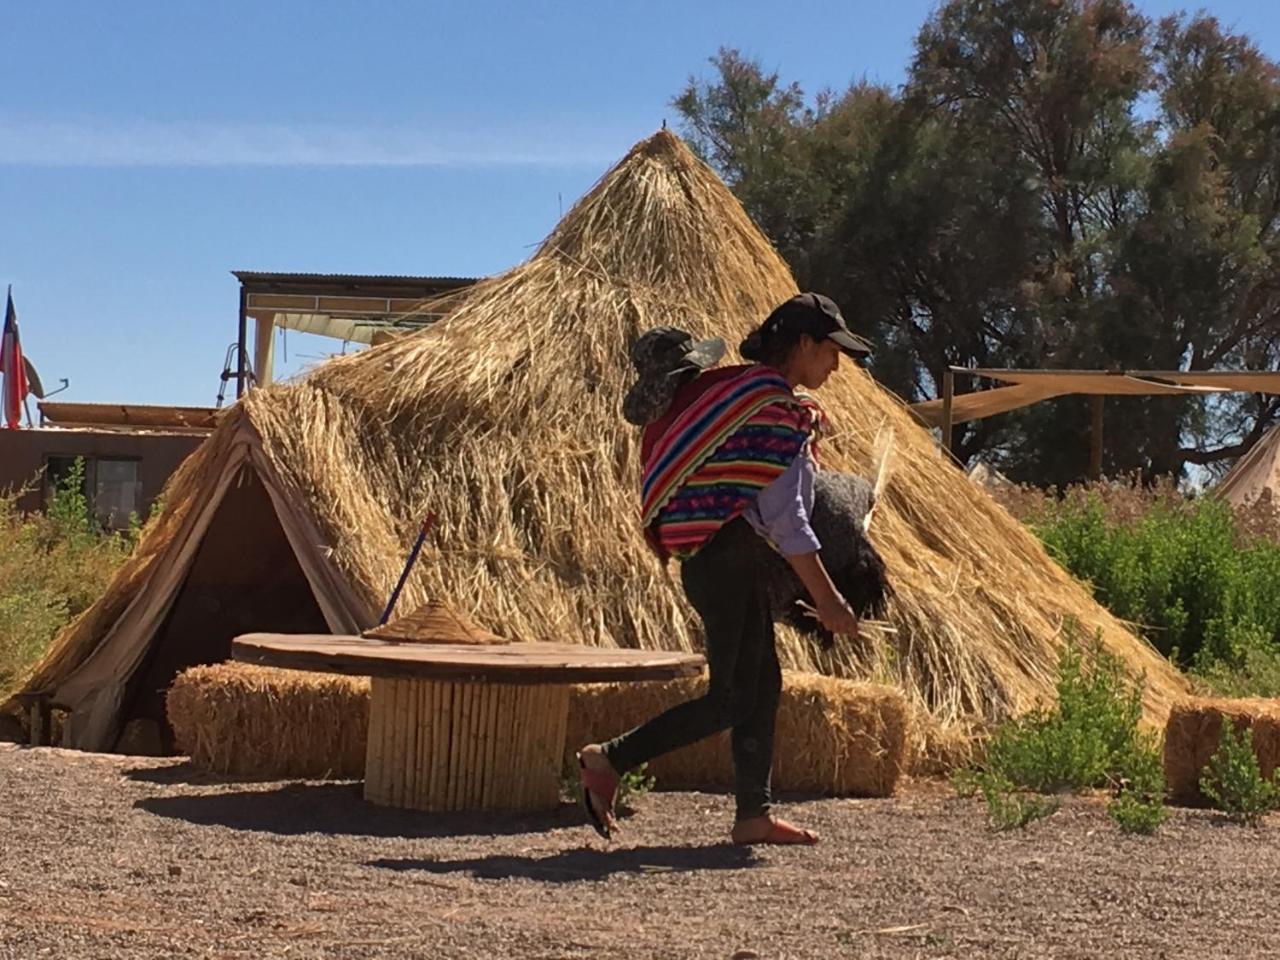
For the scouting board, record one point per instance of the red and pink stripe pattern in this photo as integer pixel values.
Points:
(716, 456)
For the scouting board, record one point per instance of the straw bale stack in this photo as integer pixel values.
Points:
(504, 420)
(236, 718)
(836, 737)
(1194, 731)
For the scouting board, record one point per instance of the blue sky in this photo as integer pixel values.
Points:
(148, 148)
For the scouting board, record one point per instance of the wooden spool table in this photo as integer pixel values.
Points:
(459, 726)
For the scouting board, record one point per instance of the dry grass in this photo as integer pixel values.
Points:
(1126, 500)
(53, 565)
(235, 718)
(1192, 737)
(504, 419)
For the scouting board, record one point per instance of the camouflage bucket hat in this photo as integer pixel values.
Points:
(666, 358)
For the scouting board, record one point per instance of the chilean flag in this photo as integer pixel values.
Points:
(12, 369)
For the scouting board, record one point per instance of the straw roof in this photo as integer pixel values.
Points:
(503, 419)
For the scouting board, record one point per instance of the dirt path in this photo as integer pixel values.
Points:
(109, 857)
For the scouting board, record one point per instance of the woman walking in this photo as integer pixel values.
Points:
(729, 463)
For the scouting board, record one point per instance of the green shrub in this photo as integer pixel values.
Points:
(1255, 674)
(1200, 588)
(52, 567)
(1234, 781)
(1138, 806)
(1134, 813)
(634, 784)
(631, 786)
(1009, 807)
(1090, 738)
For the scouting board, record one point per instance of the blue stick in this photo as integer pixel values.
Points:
(404, 574)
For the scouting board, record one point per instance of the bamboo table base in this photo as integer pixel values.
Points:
(464, 726)
(454, 745)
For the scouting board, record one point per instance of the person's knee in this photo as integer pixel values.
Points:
(733, 706)
(741, 706)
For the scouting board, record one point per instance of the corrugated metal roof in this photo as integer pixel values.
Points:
(256, 276)
(127, 415)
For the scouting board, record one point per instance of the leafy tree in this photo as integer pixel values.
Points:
(1059, 183)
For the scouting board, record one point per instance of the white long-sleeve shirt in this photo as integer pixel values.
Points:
(781, 511)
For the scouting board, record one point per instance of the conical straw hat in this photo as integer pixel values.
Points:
(433, 622)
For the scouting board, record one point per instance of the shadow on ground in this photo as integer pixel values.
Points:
(587, 864)
(180, 770)
(339, 808)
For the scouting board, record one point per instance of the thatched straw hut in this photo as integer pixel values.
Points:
(504, 419)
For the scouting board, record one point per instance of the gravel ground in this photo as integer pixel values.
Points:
(107, 856)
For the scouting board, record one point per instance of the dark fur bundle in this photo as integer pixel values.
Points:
(841, 501)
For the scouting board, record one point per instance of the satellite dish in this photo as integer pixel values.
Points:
(34, 386)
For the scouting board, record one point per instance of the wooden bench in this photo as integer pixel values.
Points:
(462, 726)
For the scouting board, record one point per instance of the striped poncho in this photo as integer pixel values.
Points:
(712, 459)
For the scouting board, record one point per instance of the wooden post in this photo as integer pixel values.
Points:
(241, 343)
(1095, 437)
(948, 394)
(40, 718)
(263, 350)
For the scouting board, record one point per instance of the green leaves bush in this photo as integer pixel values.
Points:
(1088, 739)
(52, 567)
(1197, 576)
(632, 785)
(1233, 780)
(1087, 735)
(1201, 590)
(1138, 805)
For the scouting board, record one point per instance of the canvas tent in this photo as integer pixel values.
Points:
(1256, 475)
(503, 419)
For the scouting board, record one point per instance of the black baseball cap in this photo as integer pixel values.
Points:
(820, 318)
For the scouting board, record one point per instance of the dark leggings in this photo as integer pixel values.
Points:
(724, 583)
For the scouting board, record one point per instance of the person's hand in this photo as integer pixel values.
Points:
(837, 616)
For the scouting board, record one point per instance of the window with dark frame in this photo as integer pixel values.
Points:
(112, 485)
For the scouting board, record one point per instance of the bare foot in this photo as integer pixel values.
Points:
(771, 830)
(593, 758)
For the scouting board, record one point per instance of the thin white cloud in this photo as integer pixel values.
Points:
(94, 143)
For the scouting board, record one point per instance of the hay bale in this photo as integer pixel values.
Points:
(1193, 732)
(235, 718)
(834, 736)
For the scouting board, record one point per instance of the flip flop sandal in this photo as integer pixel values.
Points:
(605, 787)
